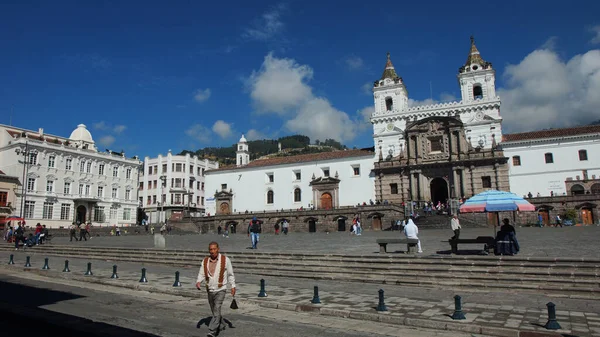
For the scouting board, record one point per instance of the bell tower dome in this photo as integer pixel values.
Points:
(477, 78)
(389, 91)
(242, 154)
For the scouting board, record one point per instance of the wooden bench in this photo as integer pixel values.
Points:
(487, 241)
(411, 244)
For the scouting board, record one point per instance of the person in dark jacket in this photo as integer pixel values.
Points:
(254, 229)
(506, 240)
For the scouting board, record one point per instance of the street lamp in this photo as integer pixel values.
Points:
(26, 153)
(163, 179)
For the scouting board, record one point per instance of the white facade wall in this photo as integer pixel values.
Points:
(536, 176)
(180, 196)
(250, 185)
(120, 209)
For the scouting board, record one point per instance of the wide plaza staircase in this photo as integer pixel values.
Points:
(558, 276)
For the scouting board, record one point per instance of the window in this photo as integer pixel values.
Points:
(223, 186)
(69, 164)
(577, 190)
(142, 186)
(65, 211)
(435, 144)
(80, 189)
(202, 201)
(297, 195)
(155, 183)
(270, 177)
(298, 175)
(178, 167)
(177, 199)
(394, 188)
(127, 194)
(115, 171)
(583, 155)
(89, 167)
(516, 160)
(82, 166)
(128, 173)
(47, 211)
(486, 182)
(3, 199)
(126, 213)
(240, 148)
(29, 209)
(595, 189)
(33, 158)
(178, 182)
(115, 192)
(101, 169)
(203, 172)
(549, 158)
(389, 104)
(191, 184)
(356, 170)
(150, 170)
(477, 92)
(326, 172)
(51, 161)
(50, 186)
(88, 189)
(99, 214)
(113, 213)
(31, 184)
(149, 200)
(100, 191)
(202, 186)
(154, 199)
(270, 197)
(198, 200)
(191, 169)
(164, 168)
(199, 172)
(67, 188)
(155, 169)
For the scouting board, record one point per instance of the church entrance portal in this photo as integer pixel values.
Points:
(326, 201)
(439, 190)
(81, 214)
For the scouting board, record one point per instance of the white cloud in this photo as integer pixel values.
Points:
(279, 85)
(550, 43)
(119, 129)
(199, 132)
(254, 134)
(354, 62)
(543, 91)
(268, 26)
(201, 95)
(596, 31)
(367, 88)
(222, 128)
(100, 125)
(106, 140)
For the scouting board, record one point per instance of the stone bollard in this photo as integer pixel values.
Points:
(552, 324)
(11, 259)
(262, 292)
(46, 266)
(143, 279)
(66, 269)
(177, 283)
(316, 299)
(88, 272)
(458, 314)
(159, 241)
(381, 305)
(114, 274)
(28, 262)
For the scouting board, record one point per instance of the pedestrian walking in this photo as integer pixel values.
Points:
(73, 232)
(82, 232)
(455, 225)
(254, 229)
(216, 272)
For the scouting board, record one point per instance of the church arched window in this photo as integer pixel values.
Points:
(477, 91)
(389, 104)
(297, 195)
(270, 197)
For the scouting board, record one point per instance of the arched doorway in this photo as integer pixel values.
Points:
(341, 225)
(545, 216)
(81, 212)
(439, 190)
(376, 223)
(587, 218)
(231, 225)
(326, 201)
(312, 226)
(577, 190)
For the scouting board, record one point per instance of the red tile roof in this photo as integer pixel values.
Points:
(302, 158)
(552, 133)
(2, 173)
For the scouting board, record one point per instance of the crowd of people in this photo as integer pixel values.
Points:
(17, 234)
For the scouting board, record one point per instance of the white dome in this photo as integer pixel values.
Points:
(242, 140)
(81, 134)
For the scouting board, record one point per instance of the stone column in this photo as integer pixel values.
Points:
(418, 179)
(496, 176)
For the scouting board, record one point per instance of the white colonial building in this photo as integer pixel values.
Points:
(554, 162)
(68, 180)
(171, 185)
(322, 180)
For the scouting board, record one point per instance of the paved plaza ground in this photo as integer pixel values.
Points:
(534, 241)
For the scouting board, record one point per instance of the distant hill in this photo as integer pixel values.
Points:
(290, 145)
(595, 123)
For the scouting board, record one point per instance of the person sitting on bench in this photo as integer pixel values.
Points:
(506, 240)
(412, 231)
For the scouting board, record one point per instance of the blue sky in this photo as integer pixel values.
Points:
(151, 76)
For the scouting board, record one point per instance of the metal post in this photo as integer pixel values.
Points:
(88, 272)
(66, 269)
(143, 279)
(11, 259)
(28, 262)
(316, 299)
(552, 324)
(458, 314)
(262, 292)
(381, 305)
(114, 274)
(24, 182)
(46, 266)
(177, 283)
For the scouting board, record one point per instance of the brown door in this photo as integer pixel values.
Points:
(376, 225)
(545, 217)
(326, 202)
(586, 216)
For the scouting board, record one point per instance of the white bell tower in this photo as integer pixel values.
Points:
(242, 154)
(389, 92)
(477, 78)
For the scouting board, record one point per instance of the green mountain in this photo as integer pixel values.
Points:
(290, 145)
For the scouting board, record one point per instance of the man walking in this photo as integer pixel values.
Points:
(455, 224)
(254, 230)
(72, 232)
(216, 272)
(412, 231)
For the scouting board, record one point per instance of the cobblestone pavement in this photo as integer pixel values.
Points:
(426, 308)
(534, 241)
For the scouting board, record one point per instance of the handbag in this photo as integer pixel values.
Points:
(234, 304)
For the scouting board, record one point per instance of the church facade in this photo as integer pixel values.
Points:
(442, 151)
